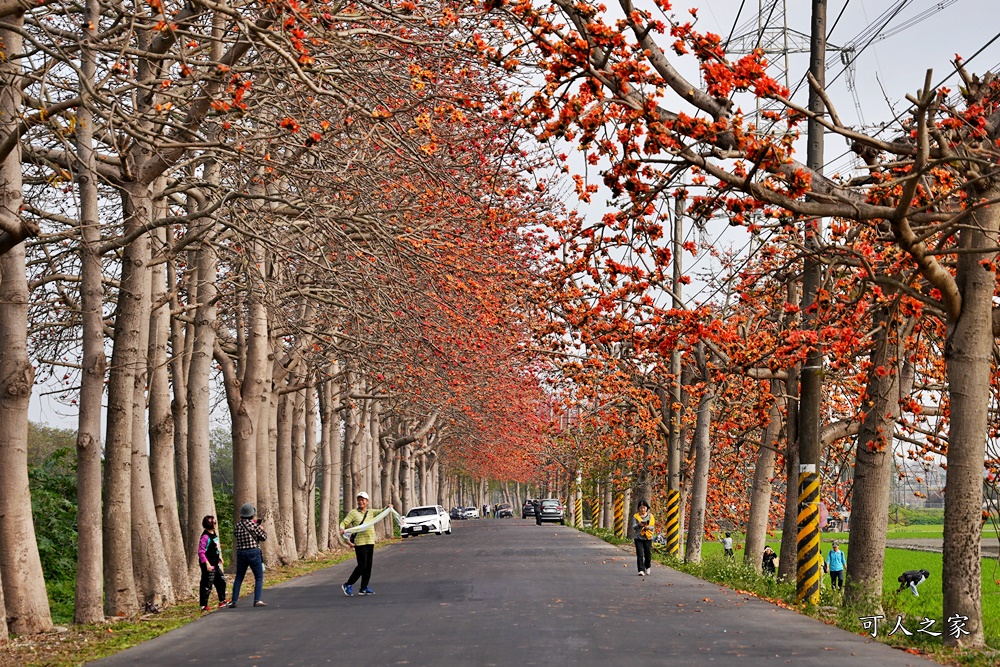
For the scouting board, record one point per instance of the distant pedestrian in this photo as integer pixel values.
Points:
(212, 566)
(248, 535)
(642, 534)
(767, 561)
(727, 545)
(363, 543)
(536, 504)
(836, 562)
(912, 578)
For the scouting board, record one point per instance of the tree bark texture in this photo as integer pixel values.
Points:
(201, 500)
(286, 490)
(874, 464)
(26, 603)
(88, 607)
(299, 509)
(161, 431)
(760, 494)
(309, 492)
(149, 562)
(968, 354)
(788, 556)
(181, 348)
(703, 456)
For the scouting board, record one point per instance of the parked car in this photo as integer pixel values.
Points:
(471, 513)
(528, 508)
(553, 510)
(426, 519)
(504, 511)
(457, 513)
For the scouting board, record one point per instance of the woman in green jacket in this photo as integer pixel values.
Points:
(363, 543)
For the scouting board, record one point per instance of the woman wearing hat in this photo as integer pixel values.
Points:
(248, 535)
(363, 545)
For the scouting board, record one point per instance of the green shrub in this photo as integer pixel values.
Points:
(53, 509)
(224, 523)
(915, 516)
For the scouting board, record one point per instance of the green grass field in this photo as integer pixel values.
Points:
(929, 604)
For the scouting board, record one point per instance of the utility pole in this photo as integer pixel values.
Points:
(673, 518)
(809, 572)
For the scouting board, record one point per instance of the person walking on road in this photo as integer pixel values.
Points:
(248, 535)
(210, 560)
(536, 504)
(835, 563)
(363, 543)
(642, 534)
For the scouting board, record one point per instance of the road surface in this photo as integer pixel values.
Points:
(508, 592)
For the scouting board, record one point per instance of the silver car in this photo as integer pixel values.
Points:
(552, 510)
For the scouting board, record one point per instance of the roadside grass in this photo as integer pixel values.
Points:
(733, 573)
(80, 644)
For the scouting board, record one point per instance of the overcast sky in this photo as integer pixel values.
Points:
(886, 70)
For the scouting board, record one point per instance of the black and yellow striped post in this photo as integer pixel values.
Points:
(578, 515)
(672, 523)
(595, 511)
(620, 514)
(809, 561)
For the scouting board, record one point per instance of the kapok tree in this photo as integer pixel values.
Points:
(616, 74)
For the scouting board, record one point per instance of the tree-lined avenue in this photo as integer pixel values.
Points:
(509, 592)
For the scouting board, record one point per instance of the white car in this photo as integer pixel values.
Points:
(426, 519)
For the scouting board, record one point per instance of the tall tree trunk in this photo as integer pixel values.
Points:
(336, 460)
(201, 500)
(420, 479)
(244, 389)
(286, 490)
(161, 431)
(788, 556)
(25, 599)
(325, 468)
(359, 452)
(148, 559)
(406, 478)
(131, 320)
(760, 495)
(703, 456)
(309, 492)
(272, 549)
(968, 354)
(4, 635)
(350, 440)
(266, 502)
(374, 454)
(88, 607)
(874, 464)
(299, 510)
(397, 477)
(385, 473)
(181, 349)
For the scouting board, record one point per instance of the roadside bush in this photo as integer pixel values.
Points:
(53, 508)
(916, 516)
(224, 526)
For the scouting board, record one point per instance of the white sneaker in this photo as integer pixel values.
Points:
(647, 571)
(642, 573)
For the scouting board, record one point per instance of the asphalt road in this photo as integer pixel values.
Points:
(508, 592)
